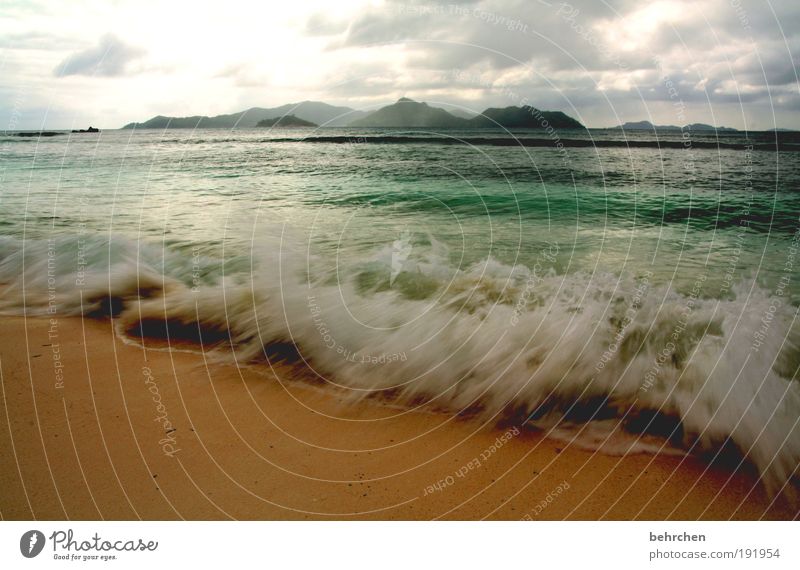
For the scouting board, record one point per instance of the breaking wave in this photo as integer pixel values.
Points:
(505, 341)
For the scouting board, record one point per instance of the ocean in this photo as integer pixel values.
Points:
(589, 284)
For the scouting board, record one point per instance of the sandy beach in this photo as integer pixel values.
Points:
(97, 428)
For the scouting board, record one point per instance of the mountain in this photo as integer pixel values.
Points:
(461, 113)
(314, 111)
(285, 121)
(405, 113)
(409, 114)
(705, 127)
(645, 126)
(525, 117)
(648, 126)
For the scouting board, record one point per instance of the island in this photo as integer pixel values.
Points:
(89, 130)
(314, 111)
(285, 121)
(404, 113)
(648, 126)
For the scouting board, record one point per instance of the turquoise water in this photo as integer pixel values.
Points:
(507, 279)
(670, 211)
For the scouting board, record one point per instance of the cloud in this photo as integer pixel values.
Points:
(38, 40)
(733, 59)
(109, 58)
(322, 25)
(582, 52)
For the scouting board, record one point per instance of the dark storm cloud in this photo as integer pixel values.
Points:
(769, 66)
(110, 57)
(454, 37)
(500, 33)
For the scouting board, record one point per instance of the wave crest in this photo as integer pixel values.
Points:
(489, 339)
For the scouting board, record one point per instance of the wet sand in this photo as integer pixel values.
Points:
(95, 428)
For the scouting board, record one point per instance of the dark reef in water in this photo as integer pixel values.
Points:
(776, 144)
(38, 134)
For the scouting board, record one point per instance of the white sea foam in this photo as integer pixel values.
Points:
(601, 347)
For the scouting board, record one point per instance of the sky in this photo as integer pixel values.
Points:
(107, 63)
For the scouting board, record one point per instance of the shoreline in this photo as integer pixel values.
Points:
(98, 428)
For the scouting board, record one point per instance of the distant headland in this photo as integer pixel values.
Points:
(405, 113)
(648, 126)
(409, 114)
